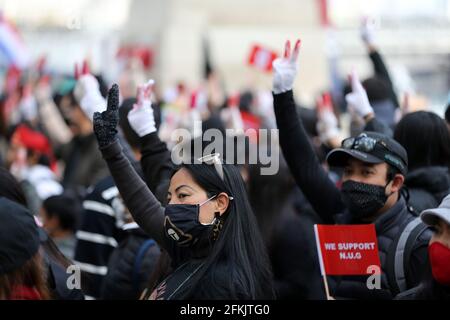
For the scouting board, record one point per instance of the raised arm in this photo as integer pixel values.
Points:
(310, 176)
(156, 164)
(50, 116)
(140, 201)
(358, 104)
(156, 161)
(381, 71)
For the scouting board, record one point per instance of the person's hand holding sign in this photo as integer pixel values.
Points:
(141, 117)
(285, 69)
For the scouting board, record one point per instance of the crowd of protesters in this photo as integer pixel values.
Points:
(88, 180)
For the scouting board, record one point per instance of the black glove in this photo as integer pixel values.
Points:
(105, 123)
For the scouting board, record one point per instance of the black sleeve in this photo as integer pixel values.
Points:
(140, 201)
(127, 151)
(59, 280)
(382, 72)
(305, 167)
(98, 220)
(155, 162)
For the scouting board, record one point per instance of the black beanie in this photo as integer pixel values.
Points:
(19, 236)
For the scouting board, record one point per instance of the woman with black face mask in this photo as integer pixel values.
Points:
(208, 227)
(437, 283)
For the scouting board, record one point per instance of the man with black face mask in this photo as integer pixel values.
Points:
(374, 168)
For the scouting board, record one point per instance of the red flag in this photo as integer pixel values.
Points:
(12, 78)
(347, 249)
(141, 52)
(199, 100)
(323, 12)
(233, 100)
(261, 58)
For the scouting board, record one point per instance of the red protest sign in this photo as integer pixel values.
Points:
(347, 249)
(261, 58)
(144, 54)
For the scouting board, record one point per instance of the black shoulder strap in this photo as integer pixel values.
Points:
(399, 256)
(410, 244)
(145, 246)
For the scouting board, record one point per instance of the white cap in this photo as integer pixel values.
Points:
(44, 181)
(432, 216)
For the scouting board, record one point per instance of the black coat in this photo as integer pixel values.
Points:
(427, 187)
(428, 290)
(293, 255)
(90, 252)
(388, 226)
(120, 282)
(58, 279)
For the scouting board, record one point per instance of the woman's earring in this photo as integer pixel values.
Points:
(218, 224)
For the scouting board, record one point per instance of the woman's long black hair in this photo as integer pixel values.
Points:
(239, 251)
(269, 196)
(426, 138)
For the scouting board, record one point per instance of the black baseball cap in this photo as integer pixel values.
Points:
(370, 147)
(19, 235)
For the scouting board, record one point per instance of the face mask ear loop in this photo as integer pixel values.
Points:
(386, 187)
(200, 204)
(217, 215)
(198, 215)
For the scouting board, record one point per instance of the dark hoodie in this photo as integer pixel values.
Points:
(429, 289)
(427, 187)
(130, 267)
